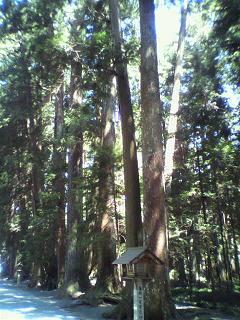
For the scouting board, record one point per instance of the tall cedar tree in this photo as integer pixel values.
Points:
(59, 183)
(107, 241)
(155, 220)
(131, 177)
(174, 109)
(76, 265)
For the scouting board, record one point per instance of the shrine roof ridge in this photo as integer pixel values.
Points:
(134, 254)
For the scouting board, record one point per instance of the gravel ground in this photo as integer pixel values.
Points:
(21, 303)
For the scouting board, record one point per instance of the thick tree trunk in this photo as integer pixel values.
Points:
(174, 109)
(73, 216)
(131, 178)
(159, 300)
(59, 184)
(107, 242)
(75, 265)
(216, 261)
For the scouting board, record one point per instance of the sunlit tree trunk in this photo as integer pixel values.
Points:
(107, 238)
(131, 178)
(174, 109)
(159, 301)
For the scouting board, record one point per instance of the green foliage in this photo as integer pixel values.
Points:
(227, 32)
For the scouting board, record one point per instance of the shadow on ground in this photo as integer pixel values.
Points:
(19, 303)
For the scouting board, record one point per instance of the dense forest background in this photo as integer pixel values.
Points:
(109, 139)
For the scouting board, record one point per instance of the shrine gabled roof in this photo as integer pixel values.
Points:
(134, 254)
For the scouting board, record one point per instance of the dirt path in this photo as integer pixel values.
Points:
(21, 303)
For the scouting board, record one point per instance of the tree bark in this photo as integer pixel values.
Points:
(35, 135)
(75, 265)
(59, 184)
(107, 242)
(182, 278)
(155, 220)
(174, 109)
(131, 178)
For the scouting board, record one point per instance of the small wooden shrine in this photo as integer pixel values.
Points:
(136, 262)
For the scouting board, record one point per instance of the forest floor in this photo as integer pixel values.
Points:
(189, 312)
(201, 304)
(22, 303)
